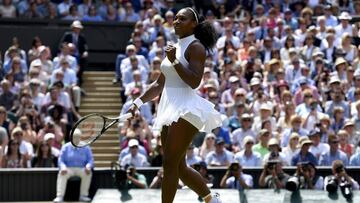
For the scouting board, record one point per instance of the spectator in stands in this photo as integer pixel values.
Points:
(32, 11)
(44, 157)
(92, 15)
(191, 157)
(273, 176)
(134, 158)
(130, 134)
(5, 122)
(235, 178)
(262, 146)
(128, 72)
(26, 148)
(4, 140)
(63, 8)
(239, 134)
(65, 53)
(84, 6)
(274, 152)
(7, 98)
(68, 77)
(207, 146)
(265, 115)
(16, 71)
(81, 48)
(28, 109)
(7, 9)
(337, 100)
(339, 173)
(73, 13)
(317, 147)
(247, 157)
(50, 139)
(221, 156)
(304, 155)
(344, 143)
(327, 158)
(129, 15)
(36, 94)
(292, 148)
(338, 119)
(295, 127)
(74, 162)
(29, 135)
(122, 62)
(51, 127)
(355, 158)
(13, 157)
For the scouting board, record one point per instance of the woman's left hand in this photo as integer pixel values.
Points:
(170, 51)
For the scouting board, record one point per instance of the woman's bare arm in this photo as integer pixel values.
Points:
(154, 90)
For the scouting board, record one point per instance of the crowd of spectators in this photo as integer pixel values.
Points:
(39, 99)
(284, 75)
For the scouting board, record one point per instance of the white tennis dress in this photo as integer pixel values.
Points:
(178, 99)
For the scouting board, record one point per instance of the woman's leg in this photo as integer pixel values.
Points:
(175, 143)
(193, 179)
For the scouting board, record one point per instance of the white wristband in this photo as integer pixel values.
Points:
(138, 103)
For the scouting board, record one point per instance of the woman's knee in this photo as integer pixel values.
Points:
(170, 163)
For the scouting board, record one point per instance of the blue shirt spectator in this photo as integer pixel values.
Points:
(355, 159)
(71, 156)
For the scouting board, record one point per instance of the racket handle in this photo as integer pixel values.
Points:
(125, 116)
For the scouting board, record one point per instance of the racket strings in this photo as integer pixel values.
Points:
(90, 128)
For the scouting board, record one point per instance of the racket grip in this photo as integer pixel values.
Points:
(125, 116)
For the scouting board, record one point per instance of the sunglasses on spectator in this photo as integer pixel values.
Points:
(210, 138)
(133, 147)
(249, 143)
(14, 143)
(308, 96)
(247, 120)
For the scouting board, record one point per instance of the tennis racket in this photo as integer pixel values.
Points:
(90, 127)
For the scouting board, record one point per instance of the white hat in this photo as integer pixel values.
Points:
(133, 142)
(265, 106)
(41, 48)
(247, 139)
(49, 136)
(158, 17)
(345, 16)
(36, 62)
(77, 24)
(233, 79)
(334, 79)
(357, 72)
(273, 141)
(130, 46)
(255, 81)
